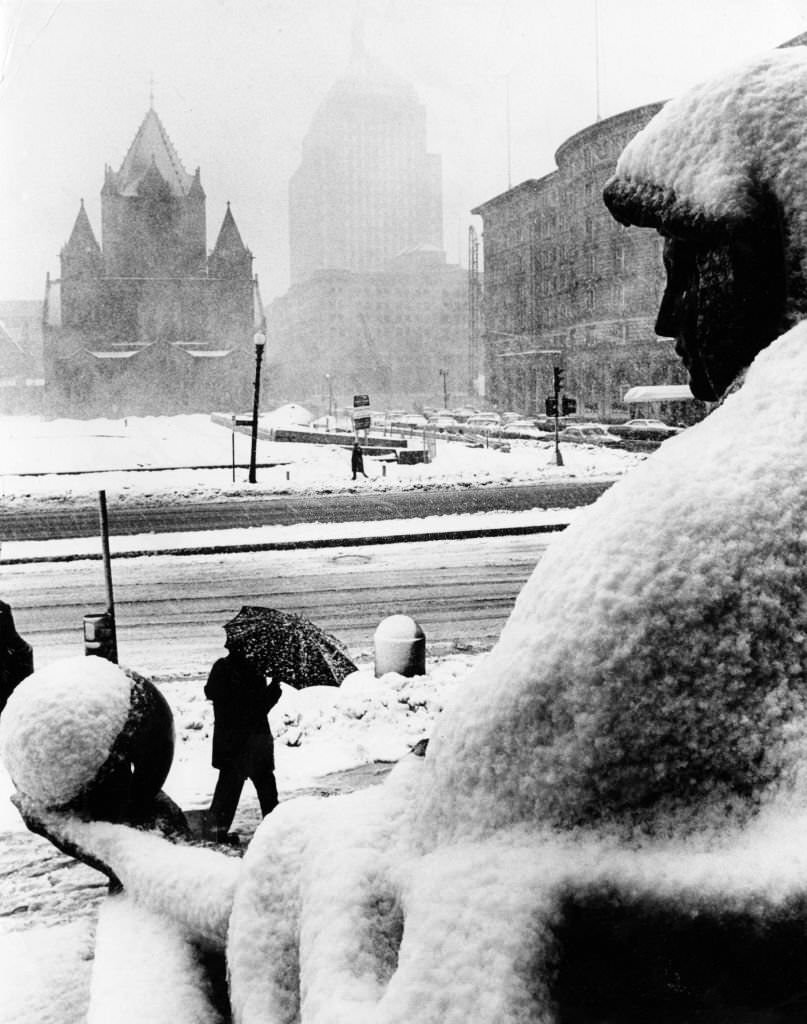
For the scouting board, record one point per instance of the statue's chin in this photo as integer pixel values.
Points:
(702, 388)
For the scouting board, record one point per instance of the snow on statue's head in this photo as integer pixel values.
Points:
(720, 173)
(83, 734)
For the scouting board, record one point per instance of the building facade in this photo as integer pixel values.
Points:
(373, 306)
(366, 188)
(148, 321)
(21, 382)
(566, 285)
(386, 332)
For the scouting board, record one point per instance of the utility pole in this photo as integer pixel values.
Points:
(444, 375)
(100, 634)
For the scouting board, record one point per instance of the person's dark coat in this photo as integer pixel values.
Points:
(241, 700)
(16, 656)
(357, 460)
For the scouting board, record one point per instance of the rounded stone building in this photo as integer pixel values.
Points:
(565, 285)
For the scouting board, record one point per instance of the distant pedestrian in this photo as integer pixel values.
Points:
(357, 460)
(242, 740)
(16, 656)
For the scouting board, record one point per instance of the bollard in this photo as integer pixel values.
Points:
(383, 469)
(400, 646)
(288, 475)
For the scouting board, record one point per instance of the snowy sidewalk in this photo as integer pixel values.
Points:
(267, 538)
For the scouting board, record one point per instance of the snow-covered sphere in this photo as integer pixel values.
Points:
(85, 731)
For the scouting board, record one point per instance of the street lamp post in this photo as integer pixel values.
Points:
(260, 341)
(444, 375)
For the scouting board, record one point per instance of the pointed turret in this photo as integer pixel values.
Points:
(196, 190)
(230, 256)
(81, 257)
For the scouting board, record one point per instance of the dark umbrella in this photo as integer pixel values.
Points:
(288, 647)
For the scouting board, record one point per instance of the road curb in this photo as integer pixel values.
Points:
(294, 545)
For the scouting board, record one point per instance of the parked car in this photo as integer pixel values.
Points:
(645, 429)
(649, 424)
(443, 423)
(525, 429)
(410, 420)
(483, 421)
(462, 414)
(511, 417)
(589, 433)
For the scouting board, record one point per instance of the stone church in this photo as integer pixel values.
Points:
(149, 322)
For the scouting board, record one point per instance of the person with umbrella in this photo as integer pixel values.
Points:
(261, 642)
(243, 747)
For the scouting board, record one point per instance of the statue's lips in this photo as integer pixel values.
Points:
(683, 352)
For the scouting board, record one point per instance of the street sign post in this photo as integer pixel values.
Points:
(361, 412)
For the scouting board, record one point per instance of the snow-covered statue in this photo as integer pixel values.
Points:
(610, 821)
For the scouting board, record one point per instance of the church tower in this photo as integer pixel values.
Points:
(152, 209)
(147, 322)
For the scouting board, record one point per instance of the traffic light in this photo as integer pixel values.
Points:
(551, 406)
(568, 405)
(558, 376)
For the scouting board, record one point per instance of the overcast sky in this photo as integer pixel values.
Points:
(236, 83)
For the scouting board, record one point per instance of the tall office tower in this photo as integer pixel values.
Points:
(366, 189)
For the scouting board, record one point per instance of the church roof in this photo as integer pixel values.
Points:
(151, 145)
(82, 240)
(229, 244)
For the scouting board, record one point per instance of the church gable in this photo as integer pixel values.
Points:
(161, 357)
(151, 145)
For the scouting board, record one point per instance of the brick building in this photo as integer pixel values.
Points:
(148, 322)
(565, 285)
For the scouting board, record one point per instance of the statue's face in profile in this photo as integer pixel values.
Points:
(723, 303)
